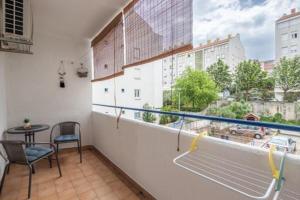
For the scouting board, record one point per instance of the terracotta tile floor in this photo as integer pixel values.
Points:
(90, 180)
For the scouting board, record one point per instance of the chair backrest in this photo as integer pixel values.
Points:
(14, 151)
(67, 128)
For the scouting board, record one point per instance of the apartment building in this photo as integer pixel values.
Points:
(230, 50)
(136, 87)
(267, 66)
(287, 38)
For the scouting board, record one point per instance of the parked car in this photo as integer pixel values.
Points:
(249, 131)
(283, 143)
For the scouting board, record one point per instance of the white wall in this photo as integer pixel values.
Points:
(3, 119)
(145, 152)
(33, 84)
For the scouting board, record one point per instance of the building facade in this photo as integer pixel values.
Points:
(139, 85)
(287, 38)
(267, 66)
(230, 50)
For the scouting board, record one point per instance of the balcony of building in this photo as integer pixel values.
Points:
(122, 159)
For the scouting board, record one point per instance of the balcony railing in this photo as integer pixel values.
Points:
(146, 153)
(211, 118)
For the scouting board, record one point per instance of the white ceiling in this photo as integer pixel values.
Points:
(74, 18)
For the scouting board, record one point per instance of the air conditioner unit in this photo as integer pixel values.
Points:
(16, 26)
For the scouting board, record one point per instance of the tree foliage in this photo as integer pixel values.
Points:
(166, 119)
(147, 116)
(196, 89)
(266, 88)
(248, 76)
(287, 74)
(219, 71)
(236, 110)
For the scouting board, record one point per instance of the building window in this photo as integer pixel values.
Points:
(122, 90)
(294, 35)
(284, 50)
(105, 66)
(123, 112)
(105, 89)
(137, 93)
(137, 115)
(284, 37)
(294, 49)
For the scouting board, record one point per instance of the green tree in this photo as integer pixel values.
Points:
(196, 89)
(287, 74)
(235, 110)
(148, 116)
(219, 71)
(166, 119)
(266, 88)
(248, 76)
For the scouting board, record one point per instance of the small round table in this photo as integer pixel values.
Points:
(28, 132)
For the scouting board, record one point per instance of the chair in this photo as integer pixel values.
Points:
(67, 134)
(18, 153)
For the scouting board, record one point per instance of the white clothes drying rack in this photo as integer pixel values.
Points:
(250, 182)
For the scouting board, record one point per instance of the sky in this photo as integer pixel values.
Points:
(254, 20)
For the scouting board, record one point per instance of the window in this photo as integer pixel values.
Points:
(284, 37)
(294, 35)
(294, 49)
(14, 16)
(105, 66)
(137, 93)
(137, 115)
(284, 50)
(123, 112)
(105, 89)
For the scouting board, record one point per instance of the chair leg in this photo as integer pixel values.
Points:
(78, 146)
(8, 167)
(57, 161)
(50, 161)
(33, 169)
(3, 177)
(30, 177)
(80, 150)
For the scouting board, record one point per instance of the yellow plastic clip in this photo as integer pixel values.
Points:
(275, 171)
(195, 141)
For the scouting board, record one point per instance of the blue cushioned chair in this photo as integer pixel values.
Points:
(67, 132)
(19, 152)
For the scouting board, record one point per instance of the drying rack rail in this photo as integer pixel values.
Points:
(250, 182)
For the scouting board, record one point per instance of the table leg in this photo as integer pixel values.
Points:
(29, 137)
(26, 139)
(33, 137)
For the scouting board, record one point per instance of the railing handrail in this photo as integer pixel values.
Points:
(212, 118)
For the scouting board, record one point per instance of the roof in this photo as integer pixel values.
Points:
(291, 15)
(214, 43)
(251, 116)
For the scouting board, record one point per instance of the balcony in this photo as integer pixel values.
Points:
(123, 159)
(135, 161)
